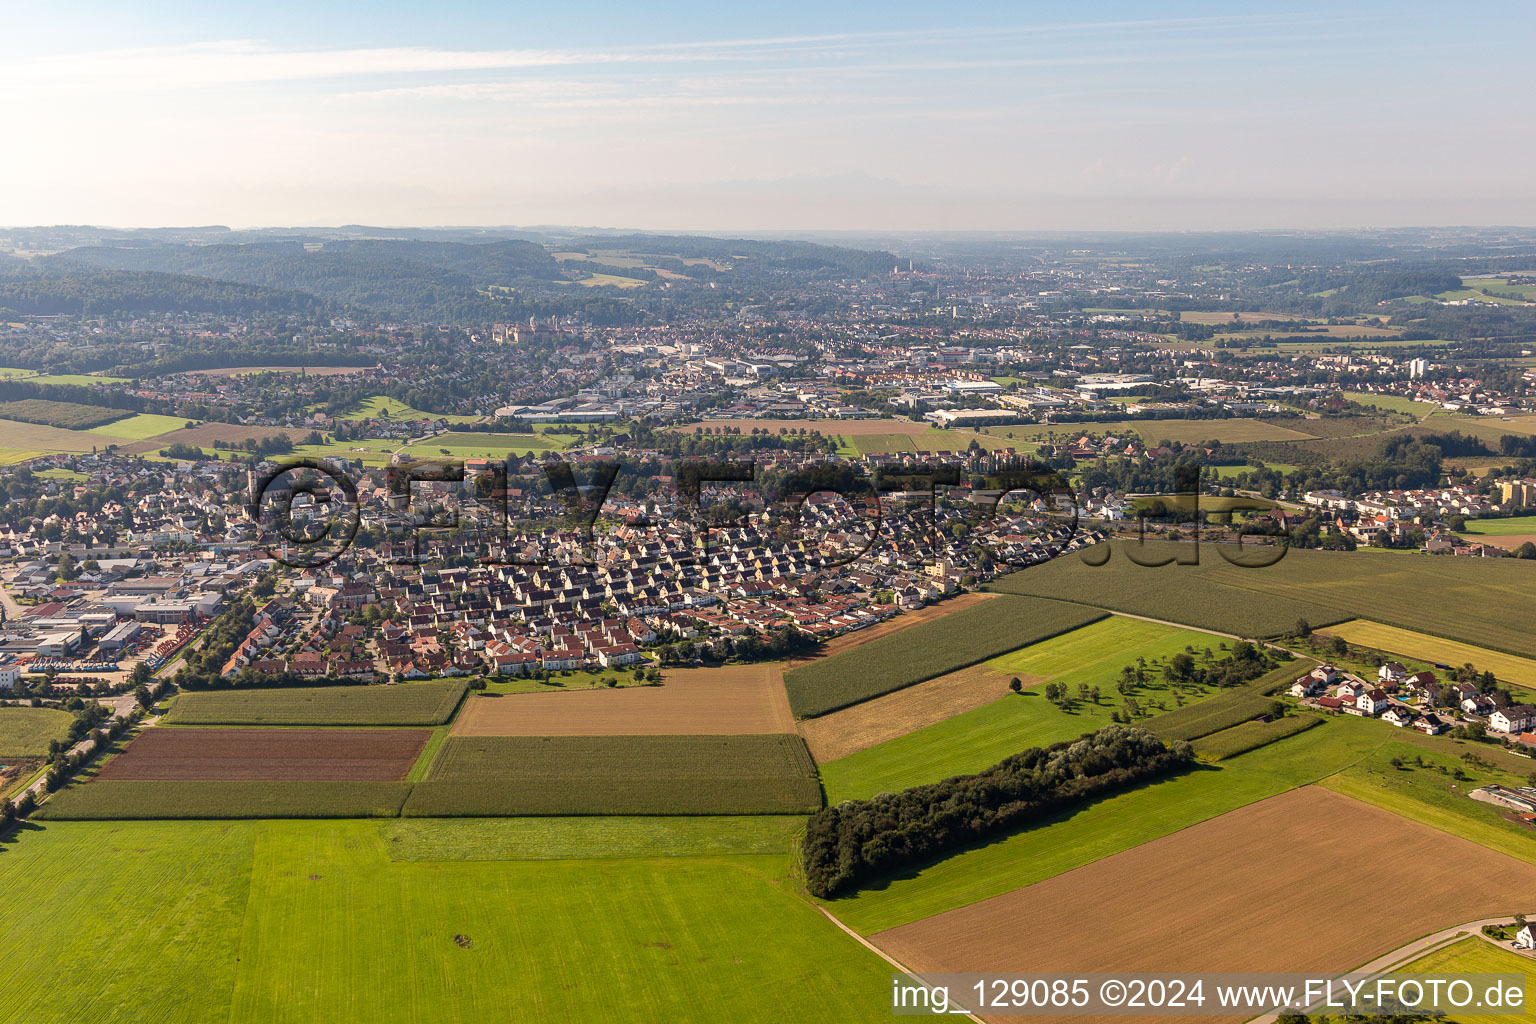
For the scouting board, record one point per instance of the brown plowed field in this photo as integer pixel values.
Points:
(320, 755)
(898, 622)
(1305, 881)
(864, 725)
(730, 701)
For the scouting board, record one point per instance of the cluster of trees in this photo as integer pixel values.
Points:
(859, 839)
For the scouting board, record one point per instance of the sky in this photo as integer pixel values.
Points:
(782, 117)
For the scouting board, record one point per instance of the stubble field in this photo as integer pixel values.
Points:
(734, 700)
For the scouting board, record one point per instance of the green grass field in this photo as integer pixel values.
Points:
(112, 800)
(927, 650)
(429, 703)
(1392, 403)
(1239, 739)
(470, 445)
(275, 922)
(140, 427)
(444, 839)
(26, 732)
(493, 776)
(81, 379)
(1513, 525)
(1476, 956)
(384, 407)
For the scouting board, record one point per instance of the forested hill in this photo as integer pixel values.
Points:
(54, 289)
(386, 276)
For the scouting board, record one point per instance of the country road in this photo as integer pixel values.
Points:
(1389, 962)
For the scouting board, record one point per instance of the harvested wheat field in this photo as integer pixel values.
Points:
(1305, 881)
(885, 718)
(895, 624)
(733, 700)
(317, 755)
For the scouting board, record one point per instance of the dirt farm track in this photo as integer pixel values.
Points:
(730, 701)
(320, 755)
(1305, 881)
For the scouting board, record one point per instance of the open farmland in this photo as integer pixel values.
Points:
(1435, 650)
(926, 651)
(734, 700)
(1489, 603)
(68, 415)
(476, 445)
(489, 776)
(206, 436)
(289, 922)
(894, 624)
(877, 721)
(1119, 822)
(140, 427)
(1291, 898)
(976, 739)
(1474, 955)
(26, 732)
(403, 704)
(1240, 739)
(103, 799)
(315, 755)
(1090, 656)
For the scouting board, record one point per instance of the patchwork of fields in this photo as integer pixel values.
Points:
(926, 651)
(1489, 603)
(1299, 905)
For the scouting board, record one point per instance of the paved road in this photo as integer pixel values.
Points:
(1388, 962)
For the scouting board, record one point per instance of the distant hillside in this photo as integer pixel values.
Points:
(397, 277)
(60, 288)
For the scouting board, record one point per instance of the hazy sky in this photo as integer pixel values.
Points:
(888, 116)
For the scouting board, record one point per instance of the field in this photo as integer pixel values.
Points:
(310, 371)
(488, 776)
(103, 799)
(1485, 602)
(926, 651)
(67, 415)
(973, 740)
(471, 445)
(26, 732)
(1291, 898)
(140, 427)
(592, 838)
(1120, 822)
(734, 700)
(1193, 316)
(1151, 431)
(894, 624)
(874, 722)
(204, 435)
(309, 755)
(827, 428)
(1475, 956)
(1240, 739)
(302, 921)
(1392, 403)
(1512, 525)
(1434, 650)
(405, 704)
